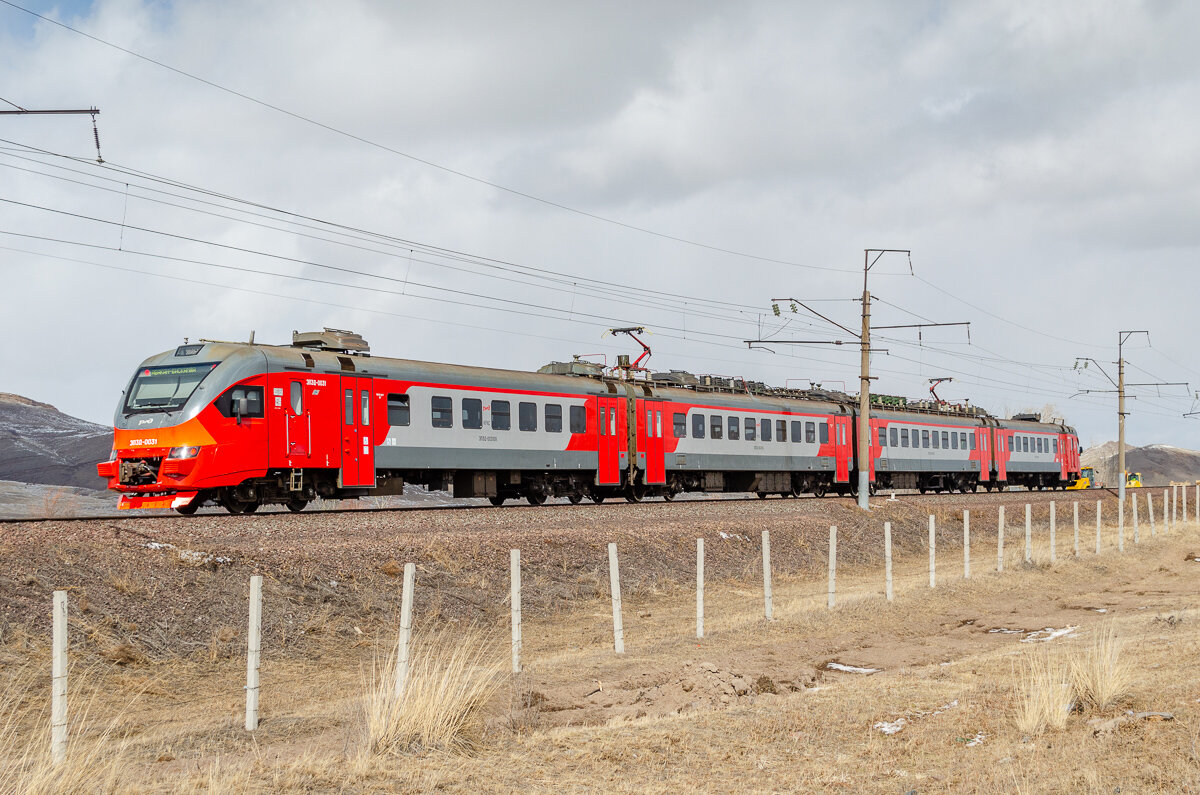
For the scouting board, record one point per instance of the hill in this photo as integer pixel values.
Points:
(40, 444)
(1159, 464)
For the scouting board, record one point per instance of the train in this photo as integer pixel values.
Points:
(244, 424)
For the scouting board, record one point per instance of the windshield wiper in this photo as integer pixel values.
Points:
(151, 410)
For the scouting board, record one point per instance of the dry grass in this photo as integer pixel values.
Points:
(1099, 674)
(452, 677)
(1044, 697)
(126, 584)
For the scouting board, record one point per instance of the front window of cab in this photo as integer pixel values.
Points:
(165, 388)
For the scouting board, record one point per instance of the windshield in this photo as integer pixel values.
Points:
(165, 388)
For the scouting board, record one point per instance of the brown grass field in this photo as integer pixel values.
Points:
(983, 695)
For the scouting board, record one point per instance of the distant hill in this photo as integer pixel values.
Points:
(1159, 464)
(40, 444)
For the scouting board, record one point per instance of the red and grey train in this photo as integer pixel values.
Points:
(243, 425)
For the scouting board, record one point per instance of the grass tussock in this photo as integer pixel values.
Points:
(452, 677)
(1099, 674)
(1044, 694)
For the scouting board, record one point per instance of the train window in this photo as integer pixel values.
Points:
(751, 429)
(603, 421)
(472, 413)
(698, 426)
(810, 432)
(578, 419)
(658, 424)
(716, 425)
(612, 422)
(904, 437)
(972, 440)
(296, 397)
(945, 439)
(365, 396)
(649, 424)
(397, 410)
(882, 437)
(349, 407)
(735, 427)
(935, 440)
(954, 441)
(1025, 444)
(780, 430)
(1054, 443)
(764, 428)
(501, 416)
(925, 438)
(254, 400)
(895, 437)
(797, 430)
(553, 418)
(679, 425)
(823, 432)
(1040, 446)
(527, 416)
(443, 412)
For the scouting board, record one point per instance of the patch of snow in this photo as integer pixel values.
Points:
(201, 558)
(1005, 631)
(891, 727)
(976, 740)
(851, 669)
(158, 545)
(1049, 633)
(1099, 609)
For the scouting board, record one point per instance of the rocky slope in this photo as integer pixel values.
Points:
(1159, 464)
(40, 444)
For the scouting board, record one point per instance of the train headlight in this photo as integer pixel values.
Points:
(183, 452)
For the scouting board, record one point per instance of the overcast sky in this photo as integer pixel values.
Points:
(673, 165)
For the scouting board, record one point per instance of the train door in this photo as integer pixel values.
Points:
(651, 441)
(1001, 448)
(303, 410)
(608, 467)
(358, 450)
(982, 454)
(843, 449)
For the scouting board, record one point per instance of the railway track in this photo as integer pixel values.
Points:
(881, 497)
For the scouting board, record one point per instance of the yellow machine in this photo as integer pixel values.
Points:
(1133, 479)
(1086, 480)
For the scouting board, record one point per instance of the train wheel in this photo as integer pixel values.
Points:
(597, 498)
(668, 495)
(921, 488)
(496, 501)
(190, 508)
(762, 495)
(575, 498)
(536, 499)
(236, 506)
(819, 489)
(296, 505)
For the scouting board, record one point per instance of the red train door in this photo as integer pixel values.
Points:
(358, 449)
(1001, 448)
(608, 471)
(303, 411)
(651, 415)
(842, 456)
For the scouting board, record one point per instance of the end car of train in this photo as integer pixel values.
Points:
(243, 425)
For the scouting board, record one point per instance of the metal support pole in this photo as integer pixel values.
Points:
(864, 399)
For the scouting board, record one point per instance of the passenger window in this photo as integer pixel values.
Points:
(296, 395)
(366, 407)
(751, 428)
(397, 410)
(1025, 444)
(735, 427)
(883, 437)
(780, 430)
(715, 424)
(764, 426)
(649, 424)
(658, 424)
(472, 413)
(797, 430)
(935, 440)
(971, 438)
(895, 434)
(679, 425)
(810, 432)
(527, 416)
(603, 421)
(578, 419)
(904, 437)
(501, 415)
(553, 418)
(612, 422)
(1054, 443)
(823, 431)
(349, 407)
(954, 441)
(698, 426)
(925, 439)
(443, 412)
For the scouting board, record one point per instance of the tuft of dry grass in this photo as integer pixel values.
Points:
(126, 584)
(452, 677)
(1100, 675)
(392, 568)
(1044, 695)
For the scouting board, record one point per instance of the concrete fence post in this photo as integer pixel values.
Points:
(1174, 506)
(1000, 541)
(253, 652)
(1053, 533)
(932, 554)
(1099, 506)
(699, 587)
(966, 545)
(1166, 511)
(1196, 502)
(1137, 535)
(58, 672)
(1120, 526)
(1150, 511)
(768, 602)
(1028, 533)
(832, 567)
(1183, 508)
(406, 620)
(1075, 509)
(887, 559)
(514, 577)
(614, 585)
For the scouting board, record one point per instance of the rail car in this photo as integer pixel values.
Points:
(243, 425)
